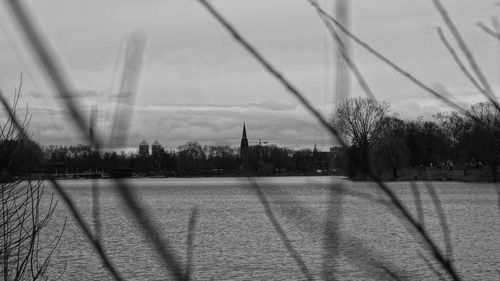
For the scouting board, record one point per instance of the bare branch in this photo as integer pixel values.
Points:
(458, 61)
(280, 231)
(342, 48)
(48, 63)
(430, 266)
(64, 89)
(394, 66)
(468, 54)
(442, 219)
(295, 92)
(488, 31)
(190, 243)
(418, 204)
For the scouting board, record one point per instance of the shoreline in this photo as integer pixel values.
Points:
(433, 174)
(471, 176)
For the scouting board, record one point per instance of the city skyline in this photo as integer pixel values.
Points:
(149, 150)
(198, 84)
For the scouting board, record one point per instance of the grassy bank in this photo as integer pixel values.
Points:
(432, 173)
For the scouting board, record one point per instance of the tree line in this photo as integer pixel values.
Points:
(189, 159)
(379, 142)
(385, 144)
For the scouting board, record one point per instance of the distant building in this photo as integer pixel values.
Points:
(244, 150)
(144, 148)
(335, 156)
(156, 149)
(336, 149)
(321, 159)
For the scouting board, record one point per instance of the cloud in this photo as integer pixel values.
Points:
(35, 94)
(197, 83)
(267, 105)
(282, 124)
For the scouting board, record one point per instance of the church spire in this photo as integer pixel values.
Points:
(244, 150)
(244, 140)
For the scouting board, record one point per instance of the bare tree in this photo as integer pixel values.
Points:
(485, 134)
(454, 124)
(23, 256)
(485, 113)
(390, 150)
(360, 120)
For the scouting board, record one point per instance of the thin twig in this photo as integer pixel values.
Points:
(190, 243)
(496, 25)
(295, 92)
(468, 54)
(280, 231)
(418, 203)
(48, 62)
(391, 273)
(442, 219)
(343, 51)
(12, 117)
(86, 230)
(273, 71)
(394, 66)
(331, 232)
(69, 203)
(367, 259)
(430, 266)
(95, 184)
(457, 59)
(488, 31)
(142, 218)
(41, 49)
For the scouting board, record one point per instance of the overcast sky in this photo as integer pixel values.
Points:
(198, 84)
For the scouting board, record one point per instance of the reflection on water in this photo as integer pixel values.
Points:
(235, 241)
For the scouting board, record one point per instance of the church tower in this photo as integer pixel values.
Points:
(144, 149)
(315, 159)
(244, 150)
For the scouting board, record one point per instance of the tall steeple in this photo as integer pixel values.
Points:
(244, 140)
(244, 150)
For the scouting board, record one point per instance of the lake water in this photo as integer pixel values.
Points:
(349, 237)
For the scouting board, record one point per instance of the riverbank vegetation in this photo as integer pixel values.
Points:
(451, 146)
(23, 220)
(389, 145)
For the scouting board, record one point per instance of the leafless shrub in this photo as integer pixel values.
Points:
(23, 256)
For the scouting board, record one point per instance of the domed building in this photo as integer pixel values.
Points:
(156, 149)
(144, 148)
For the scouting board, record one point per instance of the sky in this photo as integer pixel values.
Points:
(195, 83)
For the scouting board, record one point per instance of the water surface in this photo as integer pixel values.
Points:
(351, 237)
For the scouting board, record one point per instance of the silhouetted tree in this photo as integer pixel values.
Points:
(302, 160)
(360, 120)
(483, 140)
(455, 127)
(390, 151)
(19, 156)
(190, 157)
